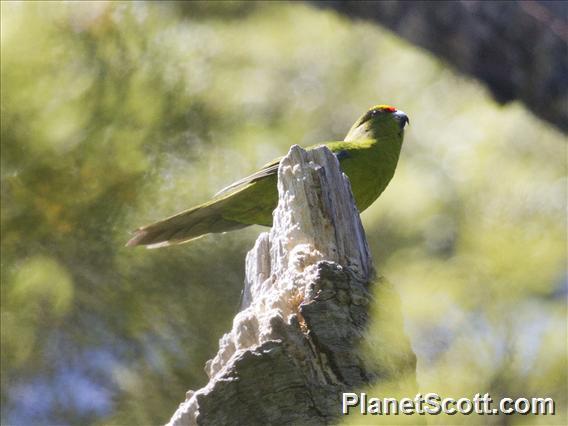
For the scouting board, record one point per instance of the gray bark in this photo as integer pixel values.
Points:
(517, 48)
(299, 341)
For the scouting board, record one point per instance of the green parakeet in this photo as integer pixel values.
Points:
(368, 155)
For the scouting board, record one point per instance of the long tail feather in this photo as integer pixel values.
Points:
(185, 226)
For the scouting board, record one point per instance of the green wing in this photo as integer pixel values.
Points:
(238, 205)
(271, 168)
(268, 169)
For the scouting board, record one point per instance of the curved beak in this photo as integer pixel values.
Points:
(402, 118)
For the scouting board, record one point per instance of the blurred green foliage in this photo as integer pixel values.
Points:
(117, 114)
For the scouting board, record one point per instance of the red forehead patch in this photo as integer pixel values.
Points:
(386, 108)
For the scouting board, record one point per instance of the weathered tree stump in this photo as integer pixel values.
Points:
(296, 344)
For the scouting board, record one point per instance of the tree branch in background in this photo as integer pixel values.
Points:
(518, 49)
(299, 341)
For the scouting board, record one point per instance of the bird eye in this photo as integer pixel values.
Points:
(376, 110)
(370, 114)
(382, 108)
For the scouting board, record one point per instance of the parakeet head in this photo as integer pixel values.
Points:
(379, 120)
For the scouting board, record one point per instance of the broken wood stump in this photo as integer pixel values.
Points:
(297, 343)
